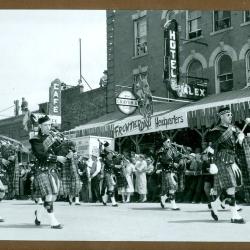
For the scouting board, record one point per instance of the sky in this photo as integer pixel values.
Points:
(38, 46)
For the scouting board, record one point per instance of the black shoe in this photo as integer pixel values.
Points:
(115, 205)
(37, 222)
(222, 206)
(209, 206)
(238, 221)
(59, 226)
(214, 216)
(176, 209)
(1, 220)
(239, 209)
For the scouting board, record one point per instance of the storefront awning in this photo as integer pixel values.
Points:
(105, 125)
(204, 112)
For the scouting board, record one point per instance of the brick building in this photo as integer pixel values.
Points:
(214, 50)
(80, 107)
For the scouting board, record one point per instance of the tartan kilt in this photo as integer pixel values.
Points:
(168, 183)
(225, 178)
(46, 183)
(70, 180)
(121, 180)
(110, 182)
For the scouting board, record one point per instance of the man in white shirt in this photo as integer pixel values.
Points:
(95, 169)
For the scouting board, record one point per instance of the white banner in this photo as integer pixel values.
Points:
(138, 125)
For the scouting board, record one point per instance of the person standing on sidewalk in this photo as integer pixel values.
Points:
(95, 170)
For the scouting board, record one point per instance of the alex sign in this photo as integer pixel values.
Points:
(55, 98)
(136, 125)
(192, 91)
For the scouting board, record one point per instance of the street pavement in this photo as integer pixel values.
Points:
(128, 222)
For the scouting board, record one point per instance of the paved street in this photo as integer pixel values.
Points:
(128, 222)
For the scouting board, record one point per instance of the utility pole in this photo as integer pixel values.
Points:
(81, 77)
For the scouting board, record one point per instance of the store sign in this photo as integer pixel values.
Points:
(126, 102)
(192, 91)
(55, 98)
(171, 61)
(136, 125)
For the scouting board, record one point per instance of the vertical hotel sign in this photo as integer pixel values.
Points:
(55, 98)
(171, 60)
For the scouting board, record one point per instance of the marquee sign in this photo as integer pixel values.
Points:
(126, 102)
(55, 98)
(171, 60)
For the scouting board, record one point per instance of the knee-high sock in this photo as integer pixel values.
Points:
(235, 214)
(128, 198)
(53, 220)
(113, 200)
(163, 199)
(77, 199)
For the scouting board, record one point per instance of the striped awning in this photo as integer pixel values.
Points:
(205, 112)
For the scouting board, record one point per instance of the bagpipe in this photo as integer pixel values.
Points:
(58, 143)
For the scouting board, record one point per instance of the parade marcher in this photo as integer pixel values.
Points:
(168, 158)
(3, 164)
(70, 178)
(108, 188)
(46, 180)
(225, 137)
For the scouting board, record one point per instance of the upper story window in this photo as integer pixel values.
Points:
(195, 72)
(140, 36)
(222, 20)
(194, 24)
(247, 16)
(225, 73)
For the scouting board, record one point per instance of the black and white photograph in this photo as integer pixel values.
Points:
(125, 125)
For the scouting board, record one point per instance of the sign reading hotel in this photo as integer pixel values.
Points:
(171, 61)
(55, 98)
(126, 102)
(134, 126)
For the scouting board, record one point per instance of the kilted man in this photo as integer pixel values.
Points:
(70, 178)
(168, 158)
(225, 137)
(108, 189)
(46, 180)
(3, 164)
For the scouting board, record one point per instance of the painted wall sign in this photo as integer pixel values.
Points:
(55, 98)
(171, 60)
(136, 125)
(126, 102)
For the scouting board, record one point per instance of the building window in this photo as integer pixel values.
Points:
(225, 74)
(194, 24)
(247, 16)
(194, 72)
(222, 20)
(140, 31)
(248, 68)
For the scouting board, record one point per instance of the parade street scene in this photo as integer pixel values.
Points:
(125, 125)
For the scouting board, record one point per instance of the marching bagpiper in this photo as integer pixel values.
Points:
(225, 137)
(108, 185)
(168, 158)
(46, 180)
